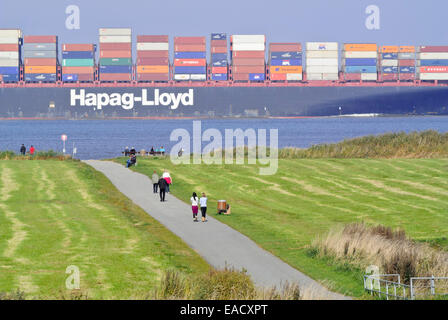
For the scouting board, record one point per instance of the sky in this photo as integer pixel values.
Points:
(401, 22)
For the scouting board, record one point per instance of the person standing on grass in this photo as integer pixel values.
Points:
(203, 203)
(194, 206)
(167, 177)
(162, 189)
(155, 181)
(32, 151)
(23, 149)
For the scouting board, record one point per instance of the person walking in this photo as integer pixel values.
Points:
(32, 149)
(155, 181)
(162, 189)
(23, 149)
(169, 181)
(203, 203)
(194, 206)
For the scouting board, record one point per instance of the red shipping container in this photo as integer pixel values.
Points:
(435, 69)
(115, 54)
(248, 62)
(152, 61)
(278, 76)
(352, 76)
(190, 48)
(219, 49)
(248, 54)
(153, 77)
(389, 76)
(434, 49)
(280, 47)
(152, 54)
(77, 47)
(406, 63)
(219, 69)
(148, 38)
(407, 76)
(189, 40)
(116, 46)
(39, 61)
(240, 77)
(9, 47)
(115, 77)
(40, 39)
(218, 43)
(85, 77)
(248, 69)
(190, 62)
(77, 70)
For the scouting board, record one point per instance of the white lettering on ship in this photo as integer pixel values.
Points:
(127, 100)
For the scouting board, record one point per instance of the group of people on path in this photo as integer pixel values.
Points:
(162, 183)
(202, 203)
(23, 150)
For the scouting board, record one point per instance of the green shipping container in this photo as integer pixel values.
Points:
(115, 61)
(77, 63)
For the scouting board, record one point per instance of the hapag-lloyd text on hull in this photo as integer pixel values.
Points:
(127, 101)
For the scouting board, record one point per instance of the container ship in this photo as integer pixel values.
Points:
(238, 76)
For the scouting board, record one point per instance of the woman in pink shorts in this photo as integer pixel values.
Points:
(194, 206)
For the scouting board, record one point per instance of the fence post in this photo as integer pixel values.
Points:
(387, 291)
(433, 289)
(412, 289)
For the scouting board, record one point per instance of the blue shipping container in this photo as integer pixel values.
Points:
(9, 70)
(360, 69)
(220, 63)
(256, 76)
(433, 62)
(286, 55)
(407, 69)
(360, 62)
(77, 55)
(10, 77)
(219, 76)
(389, 69)
(50, 77)
(189, 55)
(219, 56)
(389, 56)
(218, 36)
(189, 70)
(285, 62)
(69, 77)
(116, 69)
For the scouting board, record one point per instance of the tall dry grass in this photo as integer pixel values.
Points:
(359, 246)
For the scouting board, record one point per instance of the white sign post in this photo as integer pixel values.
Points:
(63, 138)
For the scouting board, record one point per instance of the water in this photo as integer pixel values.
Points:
(101, 139)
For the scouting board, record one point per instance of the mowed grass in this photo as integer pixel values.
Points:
(54, 214)
(306, 198)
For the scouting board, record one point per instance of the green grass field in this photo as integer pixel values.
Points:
(54, 214)
(285, 212)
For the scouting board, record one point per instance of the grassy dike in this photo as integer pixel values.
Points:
(54, 214)
(306, 198)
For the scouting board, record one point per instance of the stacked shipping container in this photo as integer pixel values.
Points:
(9, 55)
(388, 61)
(40, 58)
(115, 54)
(190, 62)
(322, 61)
(285, 61)
(433, 62)
(153, 58)
(218, 57)
(78, 62)
(360, 61)
(406, 63)
(248, 57)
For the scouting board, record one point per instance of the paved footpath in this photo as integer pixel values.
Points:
(215, 241)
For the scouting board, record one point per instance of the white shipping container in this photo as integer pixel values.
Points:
(322, 62)
(9, 62)
(115, 39)
(149, 46)
(10, 33)
(433, 76)
(9, 55)
(293, 76)
(248, 47)
(9, 40)
(360, 54)
(246, 38)
(198, 77)
(322, 46)
(330, 76)
(389, 63)
(322, 69)
(115, 31)
(433, 55)
(314, 76)
(181, 77)
(369, 76)
(322, 54)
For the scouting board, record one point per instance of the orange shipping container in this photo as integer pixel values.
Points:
(407, 49)
(360, 47)
(278, 76)
(40, 69)
(219, 69)
(190, 62)
(77, 70)
(286, 69)
(389, 49)
(115, 54)
(438, 69)
(40, 61)
(152, 69)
